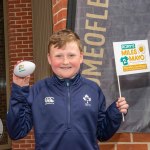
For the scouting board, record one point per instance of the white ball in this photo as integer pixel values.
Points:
(24, 68)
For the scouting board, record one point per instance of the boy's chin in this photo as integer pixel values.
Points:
(67, 76)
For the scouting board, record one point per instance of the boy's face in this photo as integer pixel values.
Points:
(65, 62)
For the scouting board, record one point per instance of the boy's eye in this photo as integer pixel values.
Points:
(58, 56)
(71, 55)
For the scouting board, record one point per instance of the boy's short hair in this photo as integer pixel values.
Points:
(60, 38)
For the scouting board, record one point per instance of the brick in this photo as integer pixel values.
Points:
(60, 25)
(15, 42)
(12, 14)
(11, 6)
(107, 147)
(22, 39)
(26, 17)
(21, 14)
(22, 46)
(21, 30)
(132, 147)
(20, 5)
(21, 22)
(12, 46)
(30, 141)
(62, 14)
(15, 146)
(16, 51)
(13, 55)
(15, 34)
(15, 26)
(26, 9)
(22, 141)
(23, 54)
(55, 18)
(64, 3)
(26, 25)
(120, 137)
(13, 1)
(26, 145)
(14, 10)
(141, 137)
(25, 1)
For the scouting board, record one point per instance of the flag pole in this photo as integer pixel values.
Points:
(120, 95)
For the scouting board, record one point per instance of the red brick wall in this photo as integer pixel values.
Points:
(19, 31)
(20, 47)
(59, 14)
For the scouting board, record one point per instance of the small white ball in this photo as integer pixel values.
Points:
(24, 68)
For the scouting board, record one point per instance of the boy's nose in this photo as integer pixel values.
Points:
(66, 60)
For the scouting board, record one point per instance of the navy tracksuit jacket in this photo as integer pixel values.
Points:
(66, 114)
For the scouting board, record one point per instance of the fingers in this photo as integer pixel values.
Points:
(122, 105)
(26, 80)
(17, 63)
(121, 101)
(21, 81)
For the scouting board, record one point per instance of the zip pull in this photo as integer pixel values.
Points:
(67, 83)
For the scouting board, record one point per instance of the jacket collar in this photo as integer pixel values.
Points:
(66, 82)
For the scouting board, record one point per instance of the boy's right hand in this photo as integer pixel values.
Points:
(21, 81)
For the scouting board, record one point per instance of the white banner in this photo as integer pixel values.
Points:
(131, 57)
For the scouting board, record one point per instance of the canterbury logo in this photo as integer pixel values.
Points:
(49, 100)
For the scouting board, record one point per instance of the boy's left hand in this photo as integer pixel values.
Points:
(122, 105)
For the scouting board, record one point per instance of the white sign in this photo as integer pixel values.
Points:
(131, 57)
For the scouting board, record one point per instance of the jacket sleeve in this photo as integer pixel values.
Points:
(19, 116)
(108, 120)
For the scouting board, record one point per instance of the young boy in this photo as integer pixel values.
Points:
(66, 110)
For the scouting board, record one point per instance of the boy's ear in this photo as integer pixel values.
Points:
(81, 58)
(48, 58)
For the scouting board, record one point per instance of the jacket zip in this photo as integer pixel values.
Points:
(68, 104)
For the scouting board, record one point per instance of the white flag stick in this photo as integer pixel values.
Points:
(120, 96)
